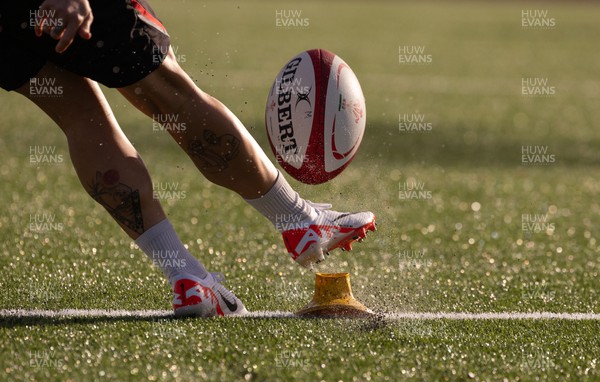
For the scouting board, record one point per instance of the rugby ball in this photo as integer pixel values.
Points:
(315, 116)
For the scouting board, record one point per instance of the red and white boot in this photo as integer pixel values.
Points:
(308, 241)
(193, 296)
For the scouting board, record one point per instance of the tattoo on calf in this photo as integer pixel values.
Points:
(120, 200)
(214, 152)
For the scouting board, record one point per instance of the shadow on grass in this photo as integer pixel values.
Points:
(45, 319)
(20, 321)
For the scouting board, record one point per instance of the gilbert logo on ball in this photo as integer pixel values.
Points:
(333, 298)
(315, 116)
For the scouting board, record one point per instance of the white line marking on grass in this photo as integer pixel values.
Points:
(495, 316)
(75, 313)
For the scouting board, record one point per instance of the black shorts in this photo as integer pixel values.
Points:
(128, 43)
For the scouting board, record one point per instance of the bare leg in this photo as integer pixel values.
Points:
(214, 138)
(108, 166)
(228, 155)
(113, 173)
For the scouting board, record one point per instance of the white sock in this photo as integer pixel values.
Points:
(282, 205)
(162, 245)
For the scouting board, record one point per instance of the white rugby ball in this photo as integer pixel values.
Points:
(315, 116)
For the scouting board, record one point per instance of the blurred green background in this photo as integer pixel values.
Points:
(462, 249)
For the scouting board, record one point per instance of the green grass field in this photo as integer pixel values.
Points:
(489, 233)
